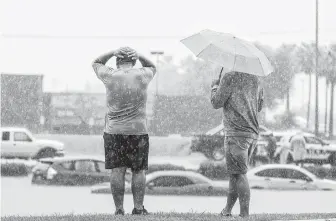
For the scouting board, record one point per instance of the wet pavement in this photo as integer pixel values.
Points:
(19, 197)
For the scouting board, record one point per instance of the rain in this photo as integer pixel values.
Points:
(63, 118)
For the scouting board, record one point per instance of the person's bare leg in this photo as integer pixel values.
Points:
(138, 188)
(244, 194)
(118, 186)
(232, 196)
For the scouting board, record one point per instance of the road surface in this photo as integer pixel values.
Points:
(21, 198)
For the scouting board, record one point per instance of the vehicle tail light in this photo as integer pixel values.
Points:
(51, 173)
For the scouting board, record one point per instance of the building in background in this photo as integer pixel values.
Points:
(22, 101)
(75, 113)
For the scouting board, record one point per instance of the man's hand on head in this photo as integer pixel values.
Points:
(133, 54)
(121, 52)
(128, 52)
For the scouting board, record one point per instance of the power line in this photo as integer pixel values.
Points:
(84, 36)
(46, 36)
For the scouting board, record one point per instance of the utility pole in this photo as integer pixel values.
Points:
(158, 54)
(332, 86)
(316, 76)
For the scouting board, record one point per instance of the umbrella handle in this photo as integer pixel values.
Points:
(220, 74)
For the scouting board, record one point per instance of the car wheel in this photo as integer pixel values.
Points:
(45, 153)
(326, 189)
(36, 179)
(218, 154)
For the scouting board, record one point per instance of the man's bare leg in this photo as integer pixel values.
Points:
(138, 188)
(232, 196)
(118, 186)
(244, 194)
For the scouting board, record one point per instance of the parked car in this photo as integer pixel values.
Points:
(175, 182)
(72, 170)
(20, 143)
(211, 144)
(305, 148)
(286, 177)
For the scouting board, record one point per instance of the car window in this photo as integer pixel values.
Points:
(172, 181)
(274, 173)
(67, 165)
(101, 167)
(85, 166)
(312, 140)
(297, 175)
(5, 135)
(21, 136)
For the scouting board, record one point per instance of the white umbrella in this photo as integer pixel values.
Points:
(228, 51)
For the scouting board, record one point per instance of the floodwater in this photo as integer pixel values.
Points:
(20, 198)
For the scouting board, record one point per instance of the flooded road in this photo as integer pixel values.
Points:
(19, 197)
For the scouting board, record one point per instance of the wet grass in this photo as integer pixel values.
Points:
(172, 217)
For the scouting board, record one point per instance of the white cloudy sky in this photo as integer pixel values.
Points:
(145, 25)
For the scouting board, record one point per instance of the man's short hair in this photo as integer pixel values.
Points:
(124, 60)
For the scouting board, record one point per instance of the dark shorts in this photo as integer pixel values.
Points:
(129, 151)
(238, 152)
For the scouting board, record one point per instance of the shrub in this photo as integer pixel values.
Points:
(13, 169)
(214, 170)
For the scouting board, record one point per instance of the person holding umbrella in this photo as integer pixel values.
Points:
(237, 90)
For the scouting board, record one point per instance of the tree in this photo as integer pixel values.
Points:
(306, 62)
(332, 80)
(326, 71)
(88, 110)
(286, 66)
(198, 76)
(279, 82)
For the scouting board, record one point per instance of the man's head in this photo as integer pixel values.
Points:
(126, 61)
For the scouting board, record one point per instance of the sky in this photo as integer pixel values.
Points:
(60, 39)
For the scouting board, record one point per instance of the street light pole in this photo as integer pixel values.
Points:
(158, 54)
(316, 76)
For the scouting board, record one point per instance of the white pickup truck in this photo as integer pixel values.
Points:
(20, 143)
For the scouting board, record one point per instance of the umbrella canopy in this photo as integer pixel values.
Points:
(228, 51)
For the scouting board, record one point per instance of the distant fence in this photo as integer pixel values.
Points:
(71, 114)
(183, 115)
